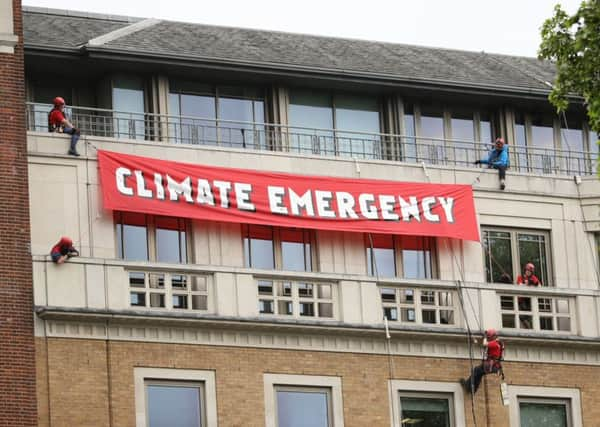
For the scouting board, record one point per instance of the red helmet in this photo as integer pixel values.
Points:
(530, 267)
(65, 241)
(59, 101)
(491, 333)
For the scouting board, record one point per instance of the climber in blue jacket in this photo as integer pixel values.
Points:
(497, 159)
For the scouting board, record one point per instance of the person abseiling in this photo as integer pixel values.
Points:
(63, 250)
(492, 357)
(497, 159)
(528, 277)
(58, 122)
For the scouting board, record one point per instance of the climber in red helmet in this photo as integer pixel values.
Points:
(493, 353)
(58, 122)
(528, 277)
(63, 250)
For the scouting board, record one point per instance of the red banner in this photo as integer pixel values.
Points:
(142, 184)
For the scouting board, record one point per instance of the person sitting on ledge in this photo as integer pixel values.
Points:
(63, 250)
(58, 122)
(497, 159)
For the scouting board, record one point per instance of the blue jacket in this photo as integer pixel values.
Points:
(497, 158)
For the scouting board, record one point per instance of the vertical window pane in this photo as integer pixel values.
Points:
(463, 130)
(521, 143)
(542, 141)
(593, 141)
(432, 134)
(175, 406)
(358, 114)
(311, 110)
(425, 411)
(498, 256)
(295, 250)
(409, 144)
(236, 134)
(196, 131)
(135, 243)
(542, 414)
(168, 248)
(301, 409)
(258, 244)
(128, 102)
(416, 257)
(532, 248)
(381, 262)
(571, 138)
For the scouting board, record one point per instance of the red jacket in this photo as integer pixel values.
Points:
(529, 281)
(494, 350)
(64, 246)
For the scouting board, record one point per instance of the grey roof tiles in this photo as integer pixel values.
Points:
(287, 50)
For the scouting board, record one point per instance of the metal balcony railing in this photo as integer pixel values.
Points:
(310, 141)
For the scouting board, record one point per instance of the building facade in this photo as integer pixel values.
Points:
(171, 319)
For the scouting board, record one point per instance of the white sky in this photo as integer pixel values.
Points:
(501, 26)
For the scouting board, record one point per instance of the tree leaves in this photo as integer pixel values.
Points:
(573, 44)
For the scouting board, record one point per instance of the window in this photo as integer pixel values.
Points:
(462, 124)
(176, 291)
(303, 400)
(544, 406)
(410, 257)
(427, 410)
(539, 313)
(143, 237)
(216, 115)
(508, 251)
(340, 124)
(427, 403)
(409, 144)
(172, 403)
(410, 305)
(520, 146)
(306, 406)
(542, 143)
(572, 145)
(282, 248)
(128, 104)
(432, 133)
(543, 412)
(296, 299)
(175, 397)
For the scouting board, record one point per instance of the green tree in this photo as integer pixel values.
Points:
(573, 44)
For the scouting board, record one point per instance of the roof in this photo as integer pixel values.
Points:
(60, 30)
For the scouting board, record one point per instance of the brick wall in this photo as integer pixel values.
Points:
(78, 381)
(17, 358)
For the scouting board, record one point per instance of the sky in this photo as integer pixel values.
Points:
(509, 27)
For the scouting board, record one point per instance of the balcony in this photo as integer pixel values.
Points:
(192, 293)
(310, 141)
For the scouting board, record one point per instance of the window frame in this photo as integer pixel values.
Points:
(547, 394)
(309, 236)
(398, 258)
(151, 237)
(144, 376)
(418, 306)
(296, 299)
(176, 383)
(305, 389)
(431, 389)
(515, 254)
(299, 382)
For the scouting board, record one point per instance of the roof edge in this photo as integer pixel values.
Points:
(80, 14)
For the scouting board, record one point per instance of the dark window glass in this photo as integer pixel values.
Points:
(532, 249)
(432, 133)
(302, 409)
(571, 136)
(498, 256)
(258, 247)
(427, 412)
(171, 406)
(542, 414)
